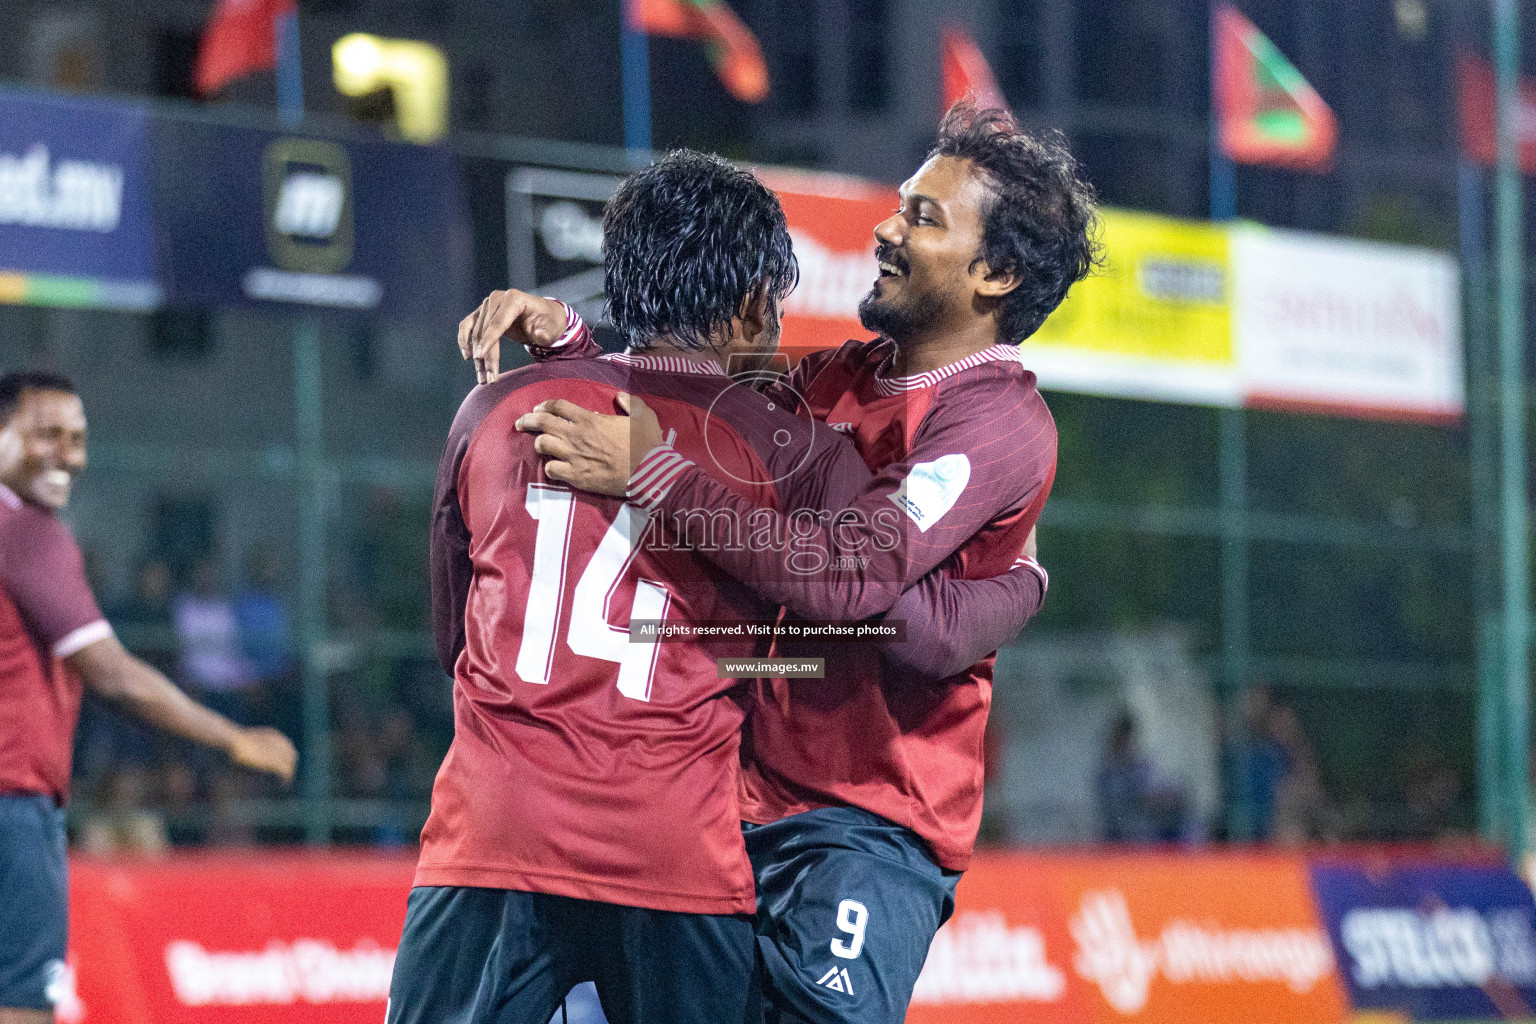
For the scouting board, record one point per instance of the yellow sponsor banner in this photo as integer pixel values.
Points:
(1155, 321)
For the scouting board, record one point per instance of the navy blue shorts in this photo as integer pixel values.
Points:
(34, 902)
(495, 956)
(847, 905)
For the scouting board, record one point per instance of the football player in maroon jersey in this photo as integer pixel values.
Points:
(585, 824)
(863, 796)
(54, 642)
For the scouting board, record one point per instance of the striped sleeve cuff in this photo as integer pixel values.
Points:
(655, 475)
(1036, 568)
(574, 325)
(82, 638)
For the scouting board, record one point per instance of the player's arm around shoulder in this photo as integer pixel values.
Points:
(547, 328)
(117, 676)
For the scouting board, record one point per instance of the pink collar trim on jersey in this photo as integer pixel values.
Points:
(889, 386)
(10, 497)
(667, 364)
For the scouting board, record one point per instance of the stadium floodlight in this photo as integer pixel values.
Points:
(416, 73)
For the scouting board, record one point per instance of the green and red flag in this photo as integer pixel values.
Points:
(1266, 112)
(733, 49)
(965, 70)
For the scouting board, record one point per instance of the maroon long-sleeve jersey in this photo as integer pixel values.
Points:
(967, 455)
(584, 764)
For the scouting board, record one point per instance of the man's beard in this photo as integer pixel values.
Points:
(900, 320)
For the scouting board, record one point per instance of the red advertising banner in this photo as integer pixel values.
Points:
(1210, 938)
(1155, 939)
(832, 222)
(234, 938)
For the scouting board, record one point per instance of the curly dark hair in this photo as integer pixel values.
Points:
(18, 382)
(685, 242)
(1041, 220)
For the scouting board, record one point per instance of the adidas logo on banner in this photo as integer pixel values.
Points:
(837, 980)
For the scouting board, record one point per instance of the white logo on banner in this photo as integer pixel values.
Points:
(310, 205)
(831, 282)
(1110, 954)
(75, 195)
(978, 958)
(1444, 948)
(305, 970)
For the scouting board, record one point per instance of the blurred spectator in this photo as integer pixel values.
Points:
(178, 802)
(261, 613)
(388, 555)
(226, 825)
(120, 823)
(144, 619)
(1134, 806)
(1278, 776)
(106, 738)
(1431, 796)
(266, 640)
(212, 661)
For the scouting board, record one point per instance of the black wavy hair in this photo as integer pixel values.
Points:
(685, 242)
(18, 382)
(1041, 220)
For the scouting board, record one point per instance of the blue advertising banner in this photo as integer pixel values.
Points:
(1434, 941)
(250, 216)
(75, 223)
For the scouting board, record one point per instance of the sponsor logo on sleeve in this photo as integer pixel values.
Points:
(932, 488)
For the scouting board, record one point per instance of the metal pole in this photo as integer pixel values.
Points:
(1511, 327)
(636, 56)
(290, 71)
(1491, 797)
(310, 494)
(1233, 467)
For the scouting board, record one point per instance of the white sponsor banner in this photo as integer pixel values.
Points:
(1346, 326)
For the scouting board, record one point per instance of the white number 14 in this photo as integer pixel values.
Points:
(590, 633)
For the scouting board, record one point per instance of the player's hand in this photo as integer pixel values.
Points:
(1030, 551)
(591, 451)
(526, 319)
(265, 750)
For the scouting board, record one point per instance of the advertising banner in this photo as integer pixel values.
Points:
(555, 236)
(1185, 311)
(1432, 941)
(1036, 938)
(1147, 938)
(256, 217)
(832, 222)
(1153, 322)
(1338, 325)
(75, 223)
(234, 939)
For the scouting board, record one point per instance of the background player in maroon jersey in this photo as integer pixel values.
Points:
(585, 823)
(867, 793)
(53, 637)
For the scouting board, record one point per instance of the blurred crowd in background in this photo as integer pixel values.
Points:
(222, 628)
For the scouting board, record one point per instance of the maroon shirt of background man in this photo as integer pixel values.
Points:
(47, 613)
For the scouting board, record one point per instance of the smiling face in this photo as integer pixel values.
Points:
(42, 447)
(928, 252)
